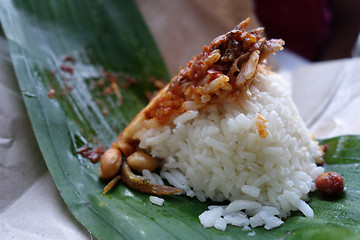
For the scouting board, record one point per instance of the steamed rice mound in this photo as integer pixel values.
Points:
(226, 128)
(219, 154)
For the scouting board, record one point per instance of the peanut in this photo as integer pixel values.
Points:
(110, 163)
(139, 161)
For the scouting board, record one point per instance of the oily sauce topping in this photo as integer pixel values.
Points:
(224, 56)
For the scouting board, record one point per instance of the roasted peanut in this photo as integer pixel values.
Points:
(139, 161)
(330, 183)
(110, 163)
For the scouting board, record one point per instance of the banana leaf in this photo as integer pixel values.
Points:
(67, 56)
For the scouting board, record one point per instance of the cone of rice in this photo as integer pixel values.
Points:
(226, 129)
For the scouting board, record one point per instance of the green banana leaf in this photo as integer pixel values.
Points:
(78, 48)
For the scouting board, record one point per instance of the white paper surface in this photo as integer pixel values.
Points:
(30, 204)
(31, 207)
(40, 213)
(328, 97)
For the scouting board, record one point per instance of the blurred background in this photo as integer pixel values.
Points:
(315, 30)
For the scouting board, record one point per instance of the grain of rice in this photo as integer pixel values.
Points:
(252, 191)
(209, 217)
(156, 200)
(220, 224)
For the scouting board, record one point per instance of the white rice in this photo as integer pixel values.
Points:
(217, 153)
(156, 200)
